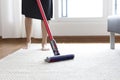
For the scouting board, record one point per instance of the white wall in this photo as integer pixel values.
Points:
(79, 28)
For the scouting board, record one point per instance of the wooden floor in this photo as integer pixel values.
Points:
(8, 46)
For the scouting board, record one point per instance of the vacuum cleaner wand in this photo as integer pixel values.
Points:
(57, 56)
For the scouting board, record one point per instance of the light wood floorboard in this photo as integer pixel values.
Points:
(8, 46)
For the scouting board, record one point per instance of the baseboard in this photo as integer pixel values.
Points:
(82, 39)
(69, 39)
(85, 39)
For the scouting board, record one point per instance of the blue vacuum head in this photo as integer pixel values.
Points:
(59, 58)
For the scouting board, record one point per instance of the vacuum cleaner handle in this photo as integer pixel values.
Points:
(44, 19)
(52, 41)
(57, 56)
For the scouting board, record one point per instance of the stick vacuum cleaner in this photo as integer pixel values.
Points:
(57, 57)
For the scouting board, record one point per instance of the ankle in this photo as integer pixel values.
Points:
(28, 41)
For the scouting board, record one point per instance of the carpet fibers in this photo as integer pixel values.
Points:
(91, 62)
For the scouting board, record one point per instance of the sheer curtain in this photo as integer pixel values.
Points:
(12, 21)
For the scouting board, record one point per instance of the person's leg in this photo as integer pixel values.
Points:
(44, 37)
(28, 28)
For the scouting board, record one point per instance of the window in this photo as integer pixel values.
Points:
(117, 7)
(81, 8)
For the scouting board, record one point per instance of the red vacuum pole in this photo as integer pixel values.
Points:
(52, 41)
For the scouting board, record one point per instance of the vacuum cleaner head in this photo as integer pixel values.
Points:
(59, 58)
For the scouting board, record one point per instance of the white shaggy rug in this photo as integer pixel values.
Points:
(92, 62)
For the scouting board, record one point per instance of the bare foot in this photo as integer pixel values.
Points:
(27, 45)
(45, 48)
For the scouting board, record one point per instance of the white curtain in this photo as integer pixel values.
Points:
(12, 21)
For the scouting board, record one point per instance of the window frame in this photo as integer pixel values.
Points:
(57, 11)
(115, 7)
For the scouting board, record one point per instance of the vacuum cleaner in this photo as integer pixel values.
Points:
(57, 57)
